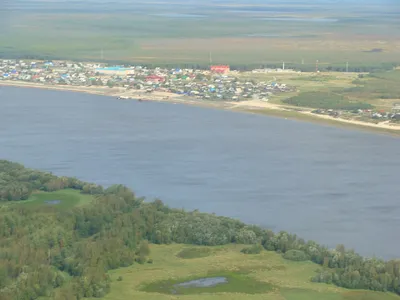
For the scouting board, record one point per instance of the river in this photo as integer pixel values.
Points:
(323, 183)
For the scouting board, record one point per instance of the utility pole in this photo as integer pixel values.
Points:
(283, 66)
(316, 66)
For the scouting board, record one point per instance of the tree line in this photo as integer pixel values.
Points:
(65, 255)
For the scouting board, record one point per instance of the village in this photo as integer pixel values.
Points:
(217, 83)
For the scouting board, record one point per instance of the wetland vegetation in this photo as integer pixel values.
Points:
(100, 248)
(184, 33)
(65, 239)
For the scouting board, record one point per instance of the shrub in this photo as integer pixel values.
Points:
(196, 252)
(255, 249)
(246, 236)
(296, 255)
(119, 278)
(144, 249)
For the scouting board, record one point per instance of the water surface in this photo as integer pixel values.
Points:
(178, 15)
(323, 183)
(203, 282)
(290, 19)
(52, 202)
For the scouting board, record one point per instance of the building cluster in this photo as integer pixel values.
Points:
(214, 84)
(361, 114)
(223, 87)
(47, 72)
(217, 83)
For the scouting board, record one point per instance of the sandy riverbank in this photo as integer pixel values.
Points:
(251, 105)
(255, 106)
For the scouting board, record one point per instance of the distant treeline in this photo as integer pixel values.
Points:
(322, 67)
(66, 254)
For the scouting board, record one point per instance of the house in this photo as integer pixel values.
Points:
(155, 79)
(396, 107)
(222, 69)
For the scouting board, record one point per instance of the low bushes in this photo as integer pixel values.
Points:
(296, 255)
(255, 249)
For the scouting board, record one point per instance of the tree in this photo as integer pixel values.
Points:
(110, 84)
(143, 251)
(245, 236)
(144, 248)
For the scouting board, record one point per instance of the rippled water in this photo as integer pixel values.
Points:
(177, 15)
(323, 183)
(290, 19)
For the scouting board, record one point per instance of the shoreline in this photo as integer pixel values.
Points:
(251, 106)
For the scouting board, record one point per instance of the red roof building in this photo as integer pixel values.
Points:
(220, 69)
(155, 78)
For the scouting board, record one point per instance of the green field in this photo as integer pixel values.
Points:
(337, 90)
(379, 89)
(183, 33)
(264, 276)
(326, 100)
(67, 198)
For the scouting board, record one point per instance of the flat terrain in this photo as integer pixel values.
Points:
(60, 200)
(380, 89)
(264, 276)
(181, 32)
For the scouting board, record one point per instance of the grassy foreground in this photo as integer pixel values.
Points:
(264, 276)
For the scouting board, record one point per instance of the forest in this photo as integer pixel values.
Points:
(65, 254)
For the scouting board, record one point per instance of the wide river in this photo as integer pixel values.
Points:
(323, 183)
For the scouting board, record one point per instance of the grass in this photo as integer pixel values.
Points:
(195, 252)
(318, 78)
(265, 276)
(137, 35)
(379, 89)
(68, 198)
(366, 295)
(237, 283)
(304, 294)
(326, 100)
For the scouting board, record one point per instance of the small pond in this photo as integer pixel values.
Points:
(202, 282)
(52, 202)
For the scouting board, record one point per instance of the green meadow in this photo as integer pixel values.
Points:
(266, 276)
(337, 90)
(182, 33)
(59, 200)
